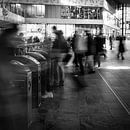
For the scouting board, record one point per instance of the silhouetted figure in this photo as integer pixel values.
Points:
(90, 52)
(30, 39)
(36, 39)
(111, 42)
(121, 48)
(8, 107)
(79, 45)
(99, 41)
(59, 51)
(73, 44)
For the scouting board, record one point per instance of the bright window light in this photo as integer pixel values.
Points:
(18, 5)
(65, 2)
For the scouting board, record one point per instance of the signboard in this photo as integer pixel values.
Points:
(98, 3)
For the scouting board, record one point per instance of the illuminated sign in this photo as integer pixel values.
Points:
(98, 3)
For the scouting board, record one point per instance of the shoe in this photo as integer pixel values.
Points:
(48, 95)
(123, 58)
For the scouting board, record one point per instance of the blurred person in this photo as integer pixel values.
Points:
(111, 42)
(48, 89)
(8, 108)
(90, 52)
(19, 42)
(21, 35)
(121, 48)
(79, 45)
(59, 50)
(68, 60)
(54, 29)
(48, 42)
(8, 40)
(99, 42)
(74, 46)
(36, 39)
(30, 39)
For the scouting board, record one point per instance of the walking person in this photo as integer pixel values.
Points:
(73, 44)
(59, 51)
(111, 42)
(121, 48)
(90, 52)
(79, 46)
(99, 42)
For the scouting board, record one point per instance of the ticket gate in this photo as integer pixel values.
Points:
(17, 99)
(44, 67)
(35, 67)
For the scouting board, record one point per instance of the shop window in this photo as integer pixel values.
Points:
(40, 10)
(34, 11)
(13, 8)
(81, 12)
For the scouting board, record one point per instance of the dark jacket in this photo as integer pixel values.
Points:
(91, 45)
(60, 44)
(99, 42)
(121, 45)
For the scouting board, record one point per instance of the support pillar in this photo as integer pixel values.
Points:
(122, 19)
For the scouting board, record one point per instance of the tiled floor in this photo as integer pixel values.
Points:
(99, 101)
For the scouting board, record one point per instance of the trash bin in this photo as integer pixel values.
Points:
(44, 67)
(17, 99)
(35, 67)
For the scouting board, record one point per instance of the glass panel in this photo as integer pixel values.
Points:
(81, 12)
(69, 30)
(13, 8)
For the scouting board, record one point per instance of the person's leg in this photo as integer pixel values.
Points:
(76, 59)
(95, 59)
(98, 60)
(61, 74)
(91, 68)
(122, 56)
(55, 72)
(111, 45)
(118, 55)
(61, 69)
(80, 56)
(48, 90)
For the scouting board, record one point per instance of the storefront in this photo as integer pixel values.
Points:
(111, 19)
(68, 15)
(33, 30)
